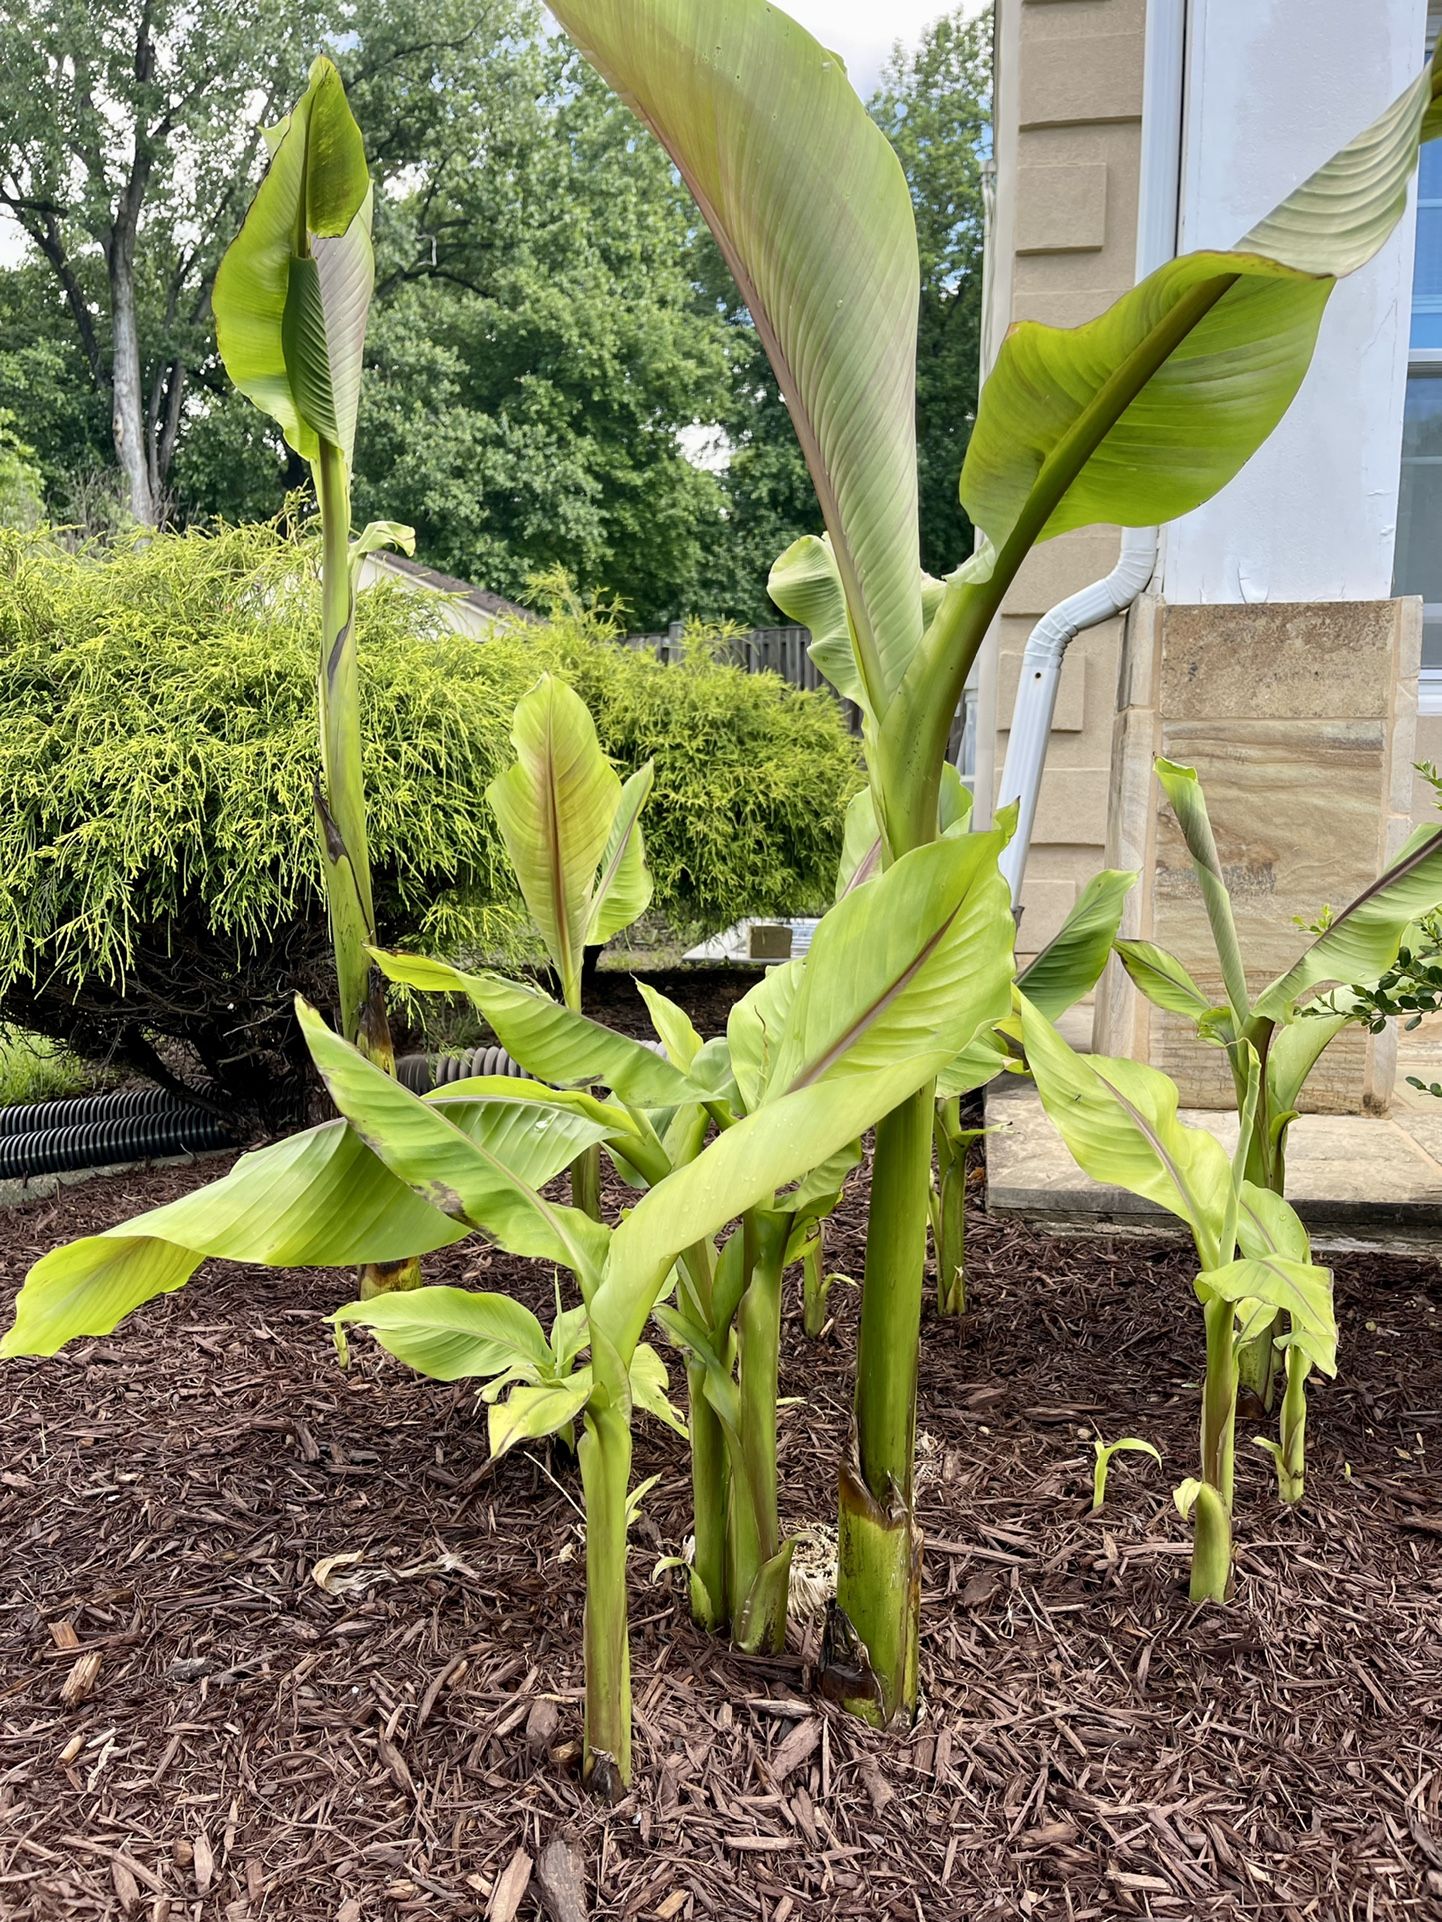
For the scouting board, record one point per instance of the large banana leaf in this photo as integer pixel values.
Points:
(1162, 979)
(1294, 1052)
(920, 957)
(899, 975)
(1119, 1119)
(1068, 967)
(742, 1168)
(563, 814)
(1362, 941)
(755, 1028)
(810, 207)
(491, 1183)
(1145, 412)
(623, 886)
(453, 1334)
(319, 1199)
(805, 584)
(1268, 1225)
(674, 1027)
(293, 291)
(862, 854)
(1299, 1287)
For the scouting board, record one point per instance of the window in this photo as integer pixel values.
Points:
(1418, 564)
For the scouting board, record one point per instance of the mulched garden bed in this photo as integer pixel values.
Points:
(277, 1641)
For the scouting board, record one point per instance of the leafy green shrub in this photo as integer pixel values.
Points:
(157, 763)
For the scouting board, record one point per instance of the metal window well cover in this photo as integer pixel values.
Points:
(748, 942)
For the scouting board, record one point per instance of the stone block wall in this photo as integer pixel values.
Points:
(1067, 141)
(1301, 721)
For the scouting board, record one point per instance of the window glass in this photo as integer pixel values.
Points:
(1427, 275)
(1418, 564)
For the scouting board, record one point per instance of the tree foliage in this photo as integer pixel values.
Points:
(547, 303)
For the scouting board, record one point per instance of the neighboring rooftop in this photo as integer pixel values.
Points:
(493, 606)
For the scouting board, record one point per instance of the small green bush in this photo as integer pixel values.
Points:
(157, 765)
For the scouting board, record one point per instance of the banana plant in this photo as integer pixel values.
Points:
(1287, 1027)
(1119, 1120)
(1131, 419)
(572, 831)
(898, 979)
(1063, 973)
(291, 299)
(727, 1316)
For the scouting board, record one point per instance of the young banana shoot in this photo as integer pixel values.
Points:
(291, 299)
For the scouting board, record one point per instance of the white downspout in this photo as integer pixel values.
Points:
(1041, 662)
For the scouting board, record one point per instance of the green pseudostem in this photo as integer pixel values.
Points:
(948, 1223)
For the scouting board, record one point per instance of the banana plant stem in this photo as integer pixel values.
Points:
(710, 1591)
(1257, 1358)
(586, 1182)
(1211, 1547)
(758, 1328)
(340, 818)
(948, 1226)
(877, 1591)
(605, 1452)
(1292, 1453)
(1212, 1543)
(813, 1283)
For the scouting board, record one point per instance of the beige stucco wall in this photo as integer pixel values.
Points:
(1301, 721)
(1067, 148)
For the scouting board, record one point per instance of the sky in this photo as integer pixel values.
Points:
(862, 31)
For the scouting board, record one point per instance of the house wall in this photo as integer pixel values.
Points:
(463, 615)
(1313, 514)
(1067, 143)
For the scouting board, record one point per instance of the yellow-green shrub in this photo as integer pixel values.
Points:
(157, 757)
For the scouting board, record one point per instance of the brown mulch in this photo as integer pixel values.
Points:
(707, 991)
(193, 1724)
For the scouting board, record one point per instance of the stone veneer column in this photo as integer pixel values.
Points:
(1301, 721)
(1068, 130)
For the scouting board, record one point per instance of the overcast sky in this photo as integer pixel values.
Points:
(862, 31)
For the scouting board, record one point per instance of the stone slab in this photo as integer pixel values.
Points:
(1369, 1181)
(1314, 661)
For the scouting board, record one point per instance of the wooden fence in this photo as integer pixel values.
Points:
(783, 651)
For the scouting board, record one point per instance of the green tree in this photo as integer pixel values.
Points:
(20, 479)
(129, 145)
(542, 314)
(45, 386)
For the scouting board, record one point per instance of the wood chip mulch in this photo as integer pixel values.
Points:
(277, 1641)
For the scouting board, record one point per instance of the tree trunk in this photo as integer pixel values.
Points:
(127, 391)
